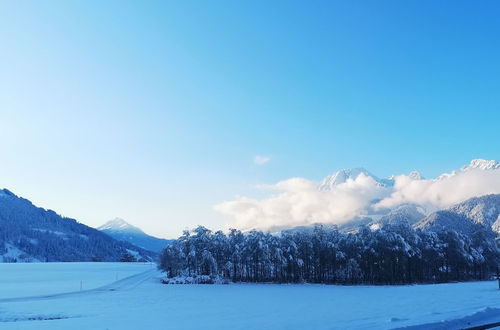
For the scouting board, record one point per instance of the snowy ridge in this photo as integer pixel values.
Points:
(121, 230)
(345, 174)
(467, 217)
(482, 164)
(475, 164)
(407, 213)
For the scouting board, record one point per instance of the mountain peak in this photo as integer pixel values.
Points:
(415, 175)
(121, 230)
(6, 193)
(345, 174)
(482, 164)
(118, 224)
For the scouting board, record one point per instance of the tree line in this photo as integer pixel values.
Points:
(394, 254)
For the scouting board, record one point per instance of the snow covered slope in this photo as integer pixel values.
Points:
(407, 213)
(121, 230)
(467, 217)
(484, 210)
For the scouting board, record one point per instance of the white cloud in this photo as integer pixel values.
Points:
(444, 192)
(261, 160)
(299, 202)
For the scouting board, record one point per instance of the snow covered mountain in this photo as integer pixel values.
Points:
(467, 216)
(121, 230)
(339, 177)
(482, 164)
(343, 175)
(475, 164)
(118, 224)
(407, 213)
(29, 233)
(482, 210)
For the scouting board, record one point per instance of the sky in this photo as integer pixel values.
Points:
(157, 111)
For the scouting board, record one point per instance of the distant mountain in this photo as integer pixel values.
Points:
(118, 224)
(466, 217)
(482, 164)
(475, 164)
(354, 225)
(343, 175)
(120, 230)
(29, 233)
(339, 177)
(407, 213)
(482, 210)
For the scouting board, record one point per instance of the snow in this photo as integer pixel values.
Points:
(32, 279)
(55, 232)
(142, 302)
(118, 224)
(345, 174)
(475, 164)
(13, 253)
(136, 254)
(482, 164)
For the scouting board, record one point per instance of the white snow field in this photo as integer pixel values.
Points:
(140, 301)
(31, 279)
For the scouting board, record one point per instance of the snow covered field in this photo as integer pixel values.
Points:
(141, 302)
(31, 279)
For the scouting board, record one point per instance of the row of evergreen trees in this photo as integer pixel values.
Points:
(394, 254)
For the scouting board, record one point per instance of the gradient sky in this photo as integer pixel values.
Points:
(155, 111)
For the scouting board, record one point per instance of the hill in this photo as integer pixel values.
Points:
(29, 234)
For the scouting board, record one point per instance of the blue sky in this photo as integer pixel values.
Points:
(154, 111)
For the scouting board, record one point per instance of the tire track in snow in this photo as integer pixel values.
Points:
(126, 283)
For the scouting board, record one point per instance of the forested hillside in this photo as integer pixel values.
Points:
(29, 233)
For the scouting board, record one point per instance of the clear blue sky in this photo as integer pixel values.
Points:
(154, 111)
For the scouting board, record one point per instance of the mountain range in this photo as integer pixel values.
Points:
(464, 217)
(30, 233)
(341, 176)
(121, 230)
(468, 217)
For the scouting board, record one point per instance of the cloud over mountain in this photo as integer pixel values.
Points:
(299, 201)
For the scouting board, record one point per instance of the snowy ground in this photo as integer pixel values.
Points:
(30, 279)
(141, 302)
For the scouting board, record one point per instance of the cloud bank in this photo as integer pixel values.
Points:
(298, 202)
(443, 192)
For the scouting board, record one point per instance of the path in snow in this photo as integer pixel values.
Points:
(123, 284)
(40, 279)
